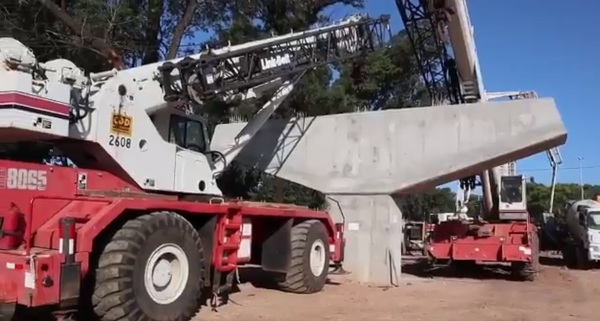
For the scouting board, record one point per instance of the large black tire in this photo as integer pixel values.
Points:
(307, 237)
(569, 256)
(581, 258)
(528, 271)
(7, 311)
(121, 292)
(575, 256)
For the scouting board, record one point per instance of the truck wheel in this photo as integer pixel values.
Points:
(309, 265)
(528, 271)
(151, 270)
(569, 256)
(581, 258)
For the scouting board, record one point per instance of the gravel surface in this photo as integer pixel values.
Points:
(557, 294)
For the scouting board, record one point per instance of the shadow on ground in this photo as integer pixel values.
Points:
(417, 266)
(471, 271)
(262, 279)
(253, 275)
(551, 261)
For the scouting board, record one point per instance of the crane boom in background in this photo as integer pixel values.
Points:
(435, 63)
(441, 36)
(426, 24)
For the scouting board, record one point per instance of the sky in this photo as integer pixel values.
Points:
(542, 45)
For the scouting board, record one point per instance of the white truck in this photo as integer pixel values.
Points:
(582, 245)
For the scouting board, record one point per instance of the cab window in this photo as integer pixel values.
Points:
(511, 189)
(593, 220)
(187, 133)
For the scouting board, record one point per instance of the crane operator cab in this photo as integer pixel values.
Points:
(185, 130)
(512, 203)
(182, 129)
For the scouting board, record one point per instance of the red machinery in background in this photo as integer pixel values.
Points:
(510, 237)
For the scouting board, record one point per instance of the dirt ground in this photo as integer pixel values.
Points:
(557, 294)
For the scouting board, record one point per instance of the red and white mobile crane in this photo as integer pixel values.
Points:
(442, 38)
(138, 225)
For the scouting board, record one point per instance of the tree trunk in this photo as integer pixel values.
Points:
(79, 29)
(152, 43)
(183, 24)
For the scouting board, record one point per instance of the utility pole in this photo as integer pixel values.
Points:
(580, 159)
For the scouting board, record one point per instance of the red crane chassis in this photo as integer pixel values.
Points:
(513, 243)
(56, 221)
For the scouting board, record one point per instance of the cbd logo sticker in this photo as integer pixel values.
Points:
(121, 124)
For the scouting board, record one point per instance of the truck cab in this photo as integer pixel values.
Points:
(589, 217)
(512, 203)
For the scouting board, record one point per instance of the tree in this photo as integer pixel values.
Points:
(89, 32)
(538, 197)
(418, 207)
(281, 191)
(390, 79)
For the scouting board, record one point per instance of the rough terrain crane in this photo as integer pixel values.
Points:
(137, 227)
(442, 38)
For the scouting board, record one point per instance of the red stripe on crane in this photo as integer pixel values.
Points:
(34, 102)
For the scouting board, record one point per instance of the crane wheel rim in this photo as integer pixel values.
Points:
(166, 273)
(317, 258)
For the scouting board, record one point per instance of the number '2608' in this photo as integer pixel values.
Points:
(26, 179)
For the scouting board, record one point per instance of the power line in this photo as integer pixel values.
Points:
(559, 168)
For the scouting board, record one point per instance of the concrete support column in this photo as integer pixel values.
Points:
(373, 236)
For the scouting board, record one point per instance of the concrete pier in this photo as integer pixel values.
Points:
(373, 235)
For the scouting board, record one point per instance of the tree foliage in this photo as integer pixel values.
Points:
(93, 33)
(538, 197)
(418, 207)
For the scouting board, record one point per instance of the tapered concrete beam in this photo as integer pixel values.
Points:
(399, 151)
